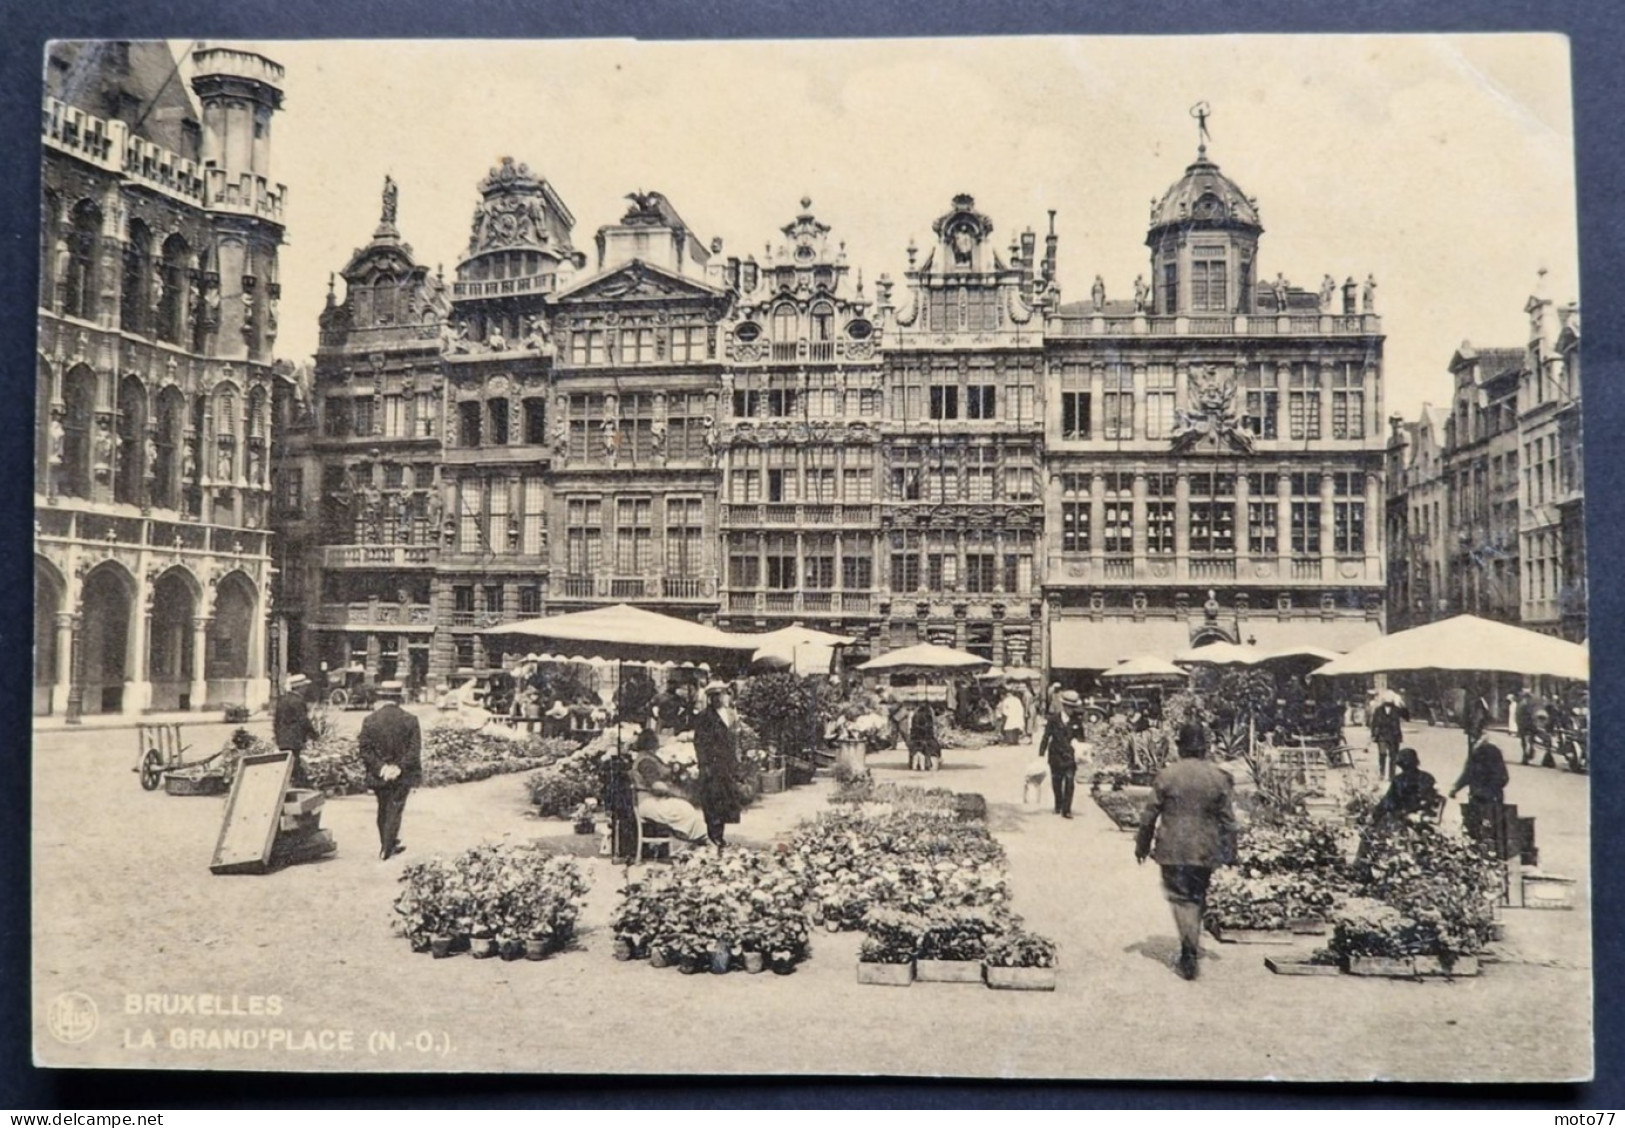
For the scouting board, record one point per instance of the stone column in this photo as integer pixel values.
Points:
(1327, 548)
(65, 630)
(1139, 522)
(1182, 521)
(258, 692)
(1139, 401)
(1097, 403)
(200, 665)
(1283, 523)
(1244, 496)
(1097, 523)
(137, 676)
(1325, 371)
(1373, 527)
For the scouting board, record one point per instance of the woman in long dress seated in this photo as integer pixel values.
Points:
(1411, 791)
(658, 798)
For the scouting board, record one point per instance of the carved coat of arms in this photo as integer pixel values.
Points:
(1212, 418)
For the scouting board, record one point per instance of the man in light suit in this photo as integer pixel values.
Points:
(1192, 819)
(391, 743)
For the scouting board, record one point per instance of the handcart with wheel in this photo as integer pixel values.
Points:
(161, 763)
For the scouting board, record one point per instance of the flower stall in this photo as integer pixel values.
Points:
(1290, 871)
(512, 899)
(744, 908)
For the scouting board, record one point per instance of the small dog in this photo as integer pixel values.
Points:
(1032, 782)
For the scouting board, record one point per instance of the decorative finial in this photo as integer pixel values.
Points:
(1201, 112)
(806, 202)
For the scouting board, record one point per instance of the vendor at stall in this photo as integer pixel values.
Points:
(657, 797)
(716, 748)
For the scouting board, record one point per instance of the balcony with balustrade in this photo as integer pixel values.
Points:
(376, 613)
(1218, 325)
(1081, 569)
(785, 515)
(798, 603)
(392, 556)
(185, 538)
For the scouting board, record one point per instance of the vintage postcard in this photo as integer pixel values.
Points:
(1030, 558)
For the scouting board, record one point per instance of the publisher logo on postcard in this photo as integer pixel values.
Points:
(72, 1017)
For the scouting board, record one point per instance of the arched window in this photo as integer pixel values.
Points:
(79, 415)
(171, 433)
(132, 448)
(83, 237)
(823, 323)
(173, 277)
(785, 327)
(135, 291)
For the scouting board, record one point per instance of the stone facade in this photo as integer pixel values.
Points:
(957, 457)
(156, 394)
(1489, 498)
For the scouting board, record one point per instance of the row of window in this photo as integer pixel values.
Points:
(817, 397)
(688, 344)
(391, 416)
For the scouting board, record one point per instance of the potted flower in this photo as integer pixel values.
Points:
(886, 957)
(1019, 960)
(953, 944)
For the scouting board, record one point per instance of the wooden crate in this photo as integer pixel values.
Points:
(1299, 965)
(948, 971)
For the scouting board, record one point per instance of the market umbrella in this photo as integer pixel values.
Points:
(1466, 643)
(626, 633)
(1144, 668)
(800, 648)
(1221, 654)
(1301, 655)
(927, 657)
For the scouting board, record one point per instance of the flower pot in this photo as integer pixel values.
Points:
(536, 948)
(755, 962)
(886, 975)
(510, 948)
(773, 781)
(832, 924)
(623, 949)
(1021, 978)
(948, 971)
(440, 946)
(721, 957)
(783, 967)
(482, 947)
(585, 826)
(691, 966)
(658, 957)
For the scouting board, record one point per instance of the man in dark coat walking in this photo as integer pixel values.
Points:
(392, 750)
(1192, 819)
(291, 726)
(1386, 734)
(716, 755)
(1064, 726)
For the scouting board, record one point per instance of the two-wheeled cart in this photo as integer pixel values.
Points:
(161, 762)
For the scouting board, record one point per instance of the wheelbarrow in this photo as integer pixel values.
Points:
(160, 755)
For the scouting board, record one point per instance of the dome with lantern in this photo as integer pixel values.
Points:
(1205, 198)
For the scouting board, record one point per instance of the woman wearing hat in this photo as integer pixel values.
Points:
(1063, 729)
(716, 752)
(1192, 820)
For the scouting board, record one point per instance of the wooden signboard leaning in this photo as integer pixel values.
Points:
(253, 814)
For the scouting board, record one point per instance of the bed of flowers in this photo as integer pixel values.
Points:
(1422, 892)
(512, 899)
(742, 909)
(451, 755)
(1289, 869)
(908, 860)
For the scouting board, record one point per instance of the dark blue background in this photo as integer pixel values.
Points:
(1598, 47)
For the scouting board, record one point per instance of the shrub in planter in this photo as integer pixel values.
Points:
(1019, 948)
(236, 714)
(891, 936)
(559, 791)
(962, 934)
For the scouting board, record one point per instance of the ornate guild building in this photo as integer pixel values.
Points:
(958, 458)
(1214, 451)
(158, 308)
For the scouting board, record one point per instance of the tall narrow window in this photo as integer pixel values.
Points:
(1075, 507)
(471, 515)
(1263, 401)
(685, 531)
(1348, 401)
(1263, 515)
(944, 401)
(1170, 288)
(498, 520)
(1348, 514)
(1159, 514)
(858, 474)
(781, 557)
(1212, 513)
(83, 239)
(1074, 415)
(1159, 401)
(857, 563)
(979, 402)
(1305, 513)
(818, 561)
(535, 409)
(744, 560)
(1117, 521)
(1209, 292)
(634, 535)
(1117, 402)
(469, 423)
(1303, 400)
(135, 303)
(584, 533)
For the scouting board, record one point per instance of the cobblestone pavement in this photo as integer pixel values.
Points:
(125, 905)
